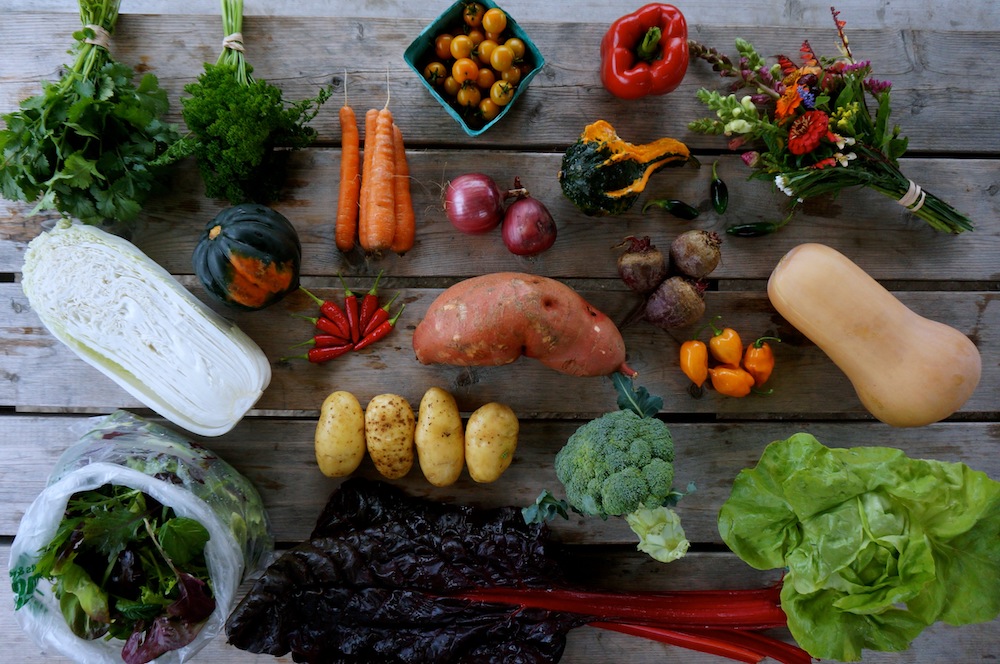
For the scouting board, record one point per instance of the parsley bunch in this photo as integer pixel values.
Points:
(237, 123)
(125, 566)
(85, 146)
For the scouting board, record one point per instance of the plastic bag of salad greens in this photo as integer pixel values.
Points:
(135, 549)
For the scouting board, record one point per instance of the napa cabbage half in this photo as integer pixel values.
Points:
(124, 314)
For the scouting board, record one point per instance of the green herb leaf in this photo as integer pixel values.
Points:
(182, 539)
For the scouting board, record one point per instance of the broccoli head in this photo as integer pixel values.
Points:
(617, 464)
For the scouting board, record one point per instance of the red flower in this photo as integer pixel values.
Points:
(824, 163)
(806, 131)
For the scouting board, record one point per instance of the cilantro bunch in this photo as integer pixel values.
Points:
(86, 145)
(125, 566)
(238, 124)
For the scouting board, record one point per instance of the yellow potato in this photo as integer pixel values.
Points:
(340, 435)
(439, 439)
(389, 428)
(490, 441)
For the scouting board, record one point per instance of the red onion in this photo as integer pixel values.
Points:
(473, 203)
(528, 228)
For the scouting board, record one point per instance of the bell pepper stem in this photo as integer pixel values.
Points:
(649, 48)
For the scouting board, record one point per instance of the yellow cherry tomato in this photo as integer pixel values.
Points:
(501, 93)
(461, 46)
(494, 20)
(486, 78)
(464, 69)
(476, 35)
(484, 50)
(435, 73)
(518, 46)
(502, 58)
(488, 109)
(473, 14)
(469, 96)
(442, 46)
(512, 75)
(451, 86)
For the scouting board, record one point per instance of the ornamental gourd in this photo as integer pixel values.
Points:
(604, 175)
(249, 256)
(906, 369)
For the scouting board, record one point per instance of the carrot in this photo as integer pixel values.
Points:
(406, 224)
(350, 181)
(381, 212)
(371, 118)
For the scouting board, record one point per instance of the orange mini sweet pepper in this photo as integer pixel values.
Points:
(731, 381)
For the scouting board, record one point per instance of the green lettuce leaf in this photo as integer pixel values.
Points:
(876, 545)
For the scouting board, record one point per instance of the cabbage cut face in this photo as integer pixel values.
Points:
(128, 317)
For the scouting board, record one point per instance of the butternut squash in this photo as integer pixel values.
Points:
(907, 370)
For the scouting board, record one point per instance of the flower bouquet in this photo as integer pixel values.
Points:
(816, 130)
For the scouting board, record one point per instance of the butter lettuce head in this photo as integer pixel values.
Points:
(876, 545)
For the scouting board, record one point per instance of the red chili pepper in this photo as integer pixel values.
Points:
(351, 310)
(379, 332)
(321, 355)
(645, 52)
(324, 341)
(369, 305)
(325, 325)
(380, 316)
(329, 309)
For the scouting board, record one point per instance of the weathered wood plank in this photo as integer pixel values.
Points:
(944, 15)
(277, 456)
(42, 373)
(873, 230)
(315, 51)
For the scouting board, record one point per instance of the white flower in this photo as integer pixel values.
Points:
(844, 140)
(781, 181)
(748, 105)
(842, 159)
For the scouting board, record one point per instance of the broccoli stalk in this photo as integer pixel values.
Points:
(622, 464)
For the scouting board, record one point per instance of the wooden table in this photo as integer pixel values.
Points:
(937, 54)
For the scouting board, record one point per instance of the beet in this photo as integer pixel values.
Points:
(696, 253)
(642, 266)
(676, 303)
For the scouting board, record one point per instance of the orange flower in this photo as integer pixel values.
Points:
(806, 131)
(824, 163)
(787, 103)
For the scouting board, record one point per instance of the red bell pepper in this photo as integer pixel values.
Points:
(645, 52)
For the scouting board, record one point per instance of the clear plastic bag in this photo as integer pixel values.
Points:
(123, 449)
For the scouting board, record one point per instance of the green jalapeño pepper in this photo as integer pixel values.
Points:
(645, 53)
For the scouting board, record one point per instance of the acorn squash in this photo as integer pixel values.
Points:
(249, 256)
(603, 174)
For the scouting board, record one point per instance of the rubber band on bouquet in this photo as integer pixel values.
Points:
(914, 197)
(101, 37)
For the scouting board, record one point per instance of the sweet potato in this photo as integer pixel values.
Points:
(493, 319)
